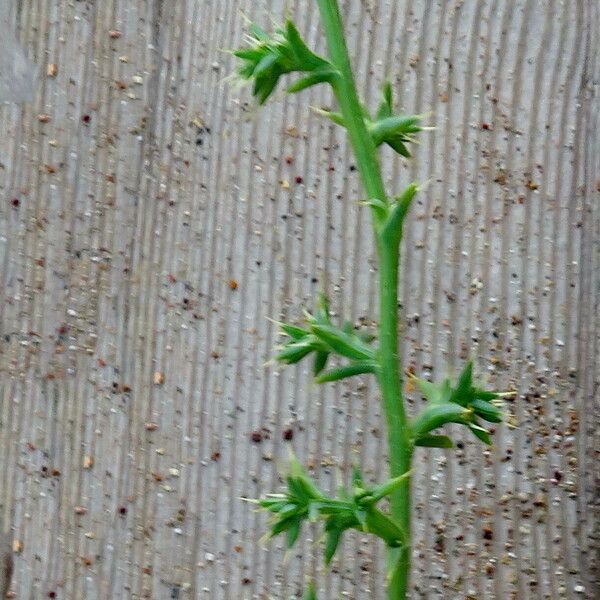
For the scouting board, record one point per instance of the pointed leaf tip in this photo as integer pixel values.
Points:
(344, 372)
(487, 411)
(481, 434)
(320, 362)
(293, 532)
(331, 545)
(313, 78)
(385, 108)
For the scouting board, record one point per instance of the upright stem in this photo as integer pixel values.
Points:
(400, 448)
(350, 107)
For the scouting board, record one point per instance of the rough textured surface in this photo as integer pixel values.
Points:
(6, 564)
(150, 218)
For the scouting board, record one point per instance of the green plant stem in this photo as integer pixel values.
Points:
(350, 107)
(400, 446)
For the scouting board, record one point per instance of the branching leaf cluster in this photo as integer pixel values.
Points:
(322, 338)
(464, 403)
(386, 127)
(357, 509)
(270, 56)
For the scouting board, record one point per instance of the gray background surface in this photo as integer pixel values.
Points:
(140, 187)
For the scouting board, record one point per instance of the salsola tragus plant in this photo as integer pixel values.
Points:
(264, 61)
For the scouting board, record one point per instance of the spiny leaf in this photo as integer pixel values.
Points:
(487, 396)
(304, 501)
(250, 54)
(392, 226)
(334, 527)
(435, 392)
(397, 127)
(322, 310)
(386, 528)
(398, 147)
(297, 489)
(265, 64)
(292, 331)
(320, 362)
(385, 489)
(434, 441)
(463, 393)
(259, 33)
(347, 345)
(336, 117)
(295, 352)
(305, 57)
(436, 415)
(309, 487)
(331, 507)
(344, 372)
(264, 87)
(282, 525)
(293, 532)
(331, 545)
(273, 55)
(474, 401)
(481, 433)
(324, 75)
(487, 411)
(386, 107)
(287, 510)
(272, 504)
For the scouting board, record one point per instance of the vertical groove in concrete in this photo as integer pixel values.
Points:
(151, 217)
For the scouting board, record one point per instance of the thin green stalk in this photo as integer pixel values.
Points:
(400, 446)
(350, 107)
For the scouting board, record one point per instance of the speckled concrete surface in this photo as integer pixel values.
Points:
(151, 218)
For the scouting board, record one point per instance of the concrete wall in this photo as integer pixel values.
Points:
(151, 218)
